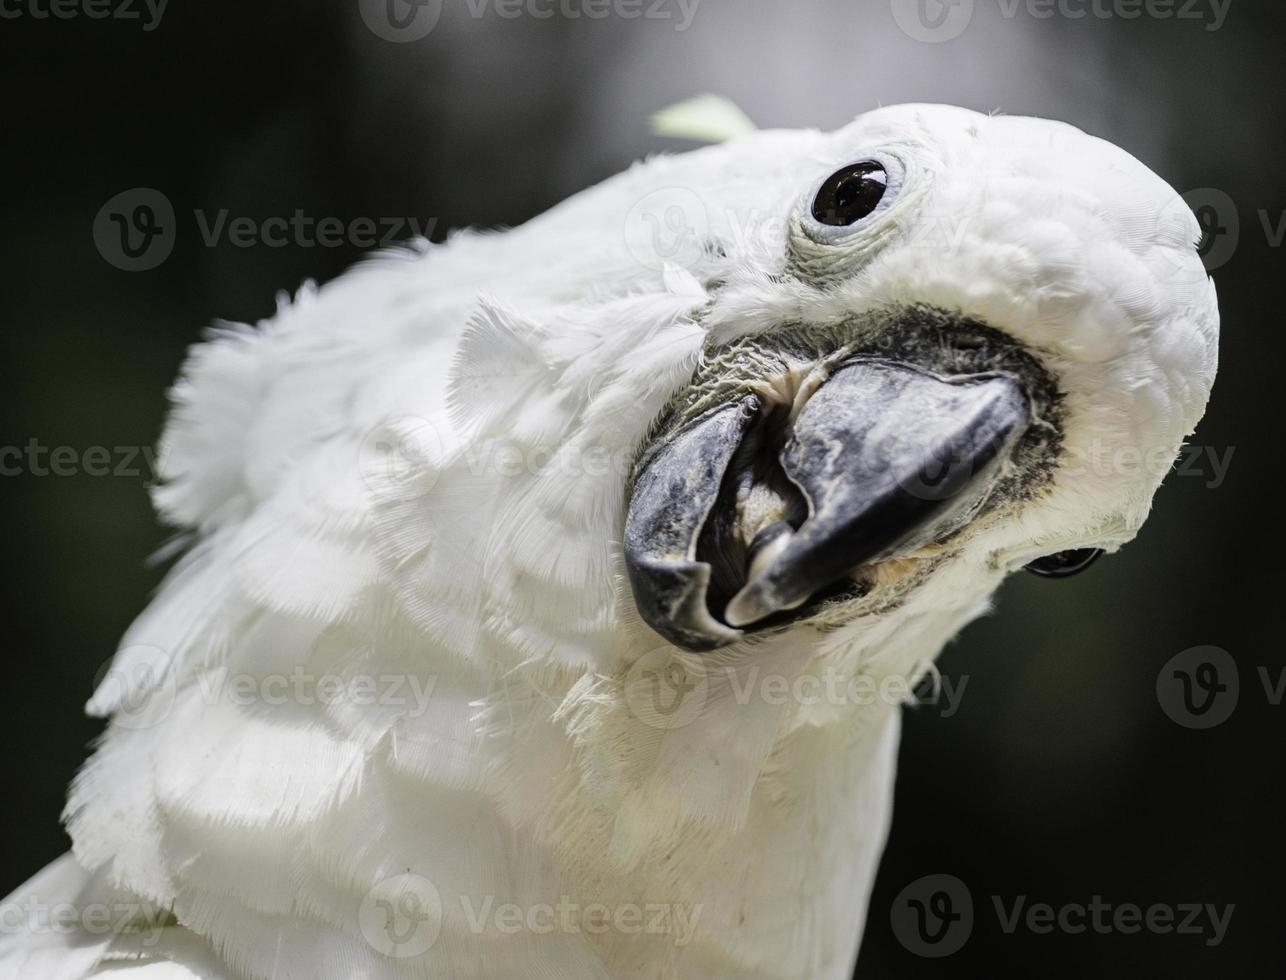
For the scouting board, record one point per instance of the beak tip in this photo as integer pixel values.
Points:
(745, 608)
(757, 600)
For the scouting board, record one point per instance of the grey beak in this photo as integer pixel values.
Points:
(889, 460)
(674, 492)
(884, 459)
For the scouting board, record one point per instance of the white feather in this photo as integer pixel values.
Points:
(708, 118)
(417, 474)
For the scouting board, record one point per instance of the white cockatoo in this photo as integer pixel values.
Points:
(551, 594)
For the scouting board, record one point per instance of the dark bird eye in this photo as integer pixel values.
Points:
(1066, 563)
(849, 195)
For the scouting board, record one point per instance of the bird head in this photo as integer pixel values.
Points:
(939, 346)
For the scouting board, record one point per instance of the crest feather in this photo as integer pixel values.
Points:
(706, 119)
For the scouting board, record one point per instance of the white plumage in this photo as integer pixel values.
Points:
(416, 476)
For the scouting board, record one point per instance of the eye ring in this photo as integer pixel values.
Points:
(851, 194)
(818, 232)
(1065, 564)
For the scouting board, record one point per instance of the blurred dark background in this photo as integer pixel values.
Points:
(1061, 776)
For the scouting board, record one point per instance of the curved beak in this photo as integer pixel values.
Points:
(742, 515)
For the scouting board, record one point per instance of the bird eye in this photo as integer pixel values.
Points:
(1065, 564)
(851, 194)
